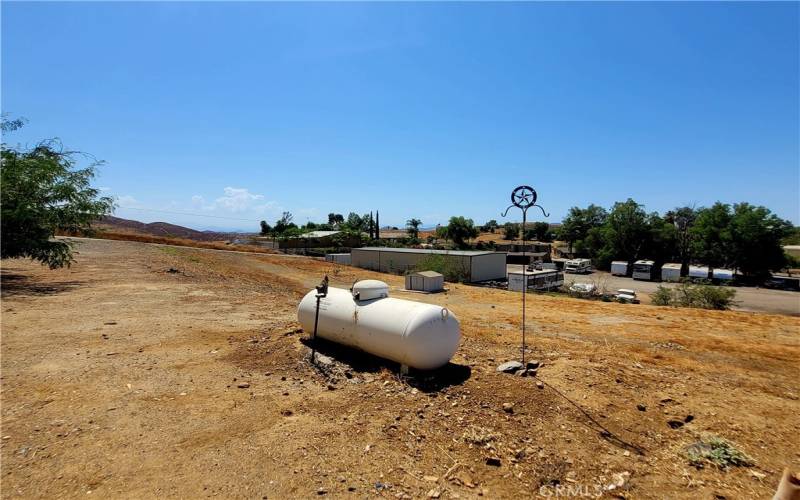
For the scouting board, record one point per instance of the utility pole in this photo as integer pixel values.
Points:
(377, 225)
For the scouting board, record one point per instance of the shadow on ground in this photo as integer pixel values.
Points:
(17, 284)
(427, 381)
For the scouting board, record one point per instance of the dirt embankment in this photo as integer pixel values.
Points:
(122, 378)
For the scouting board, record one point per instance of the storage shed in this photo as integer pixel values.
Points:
(472, 265)
(425, 281)
(671, 272)
(619, 268)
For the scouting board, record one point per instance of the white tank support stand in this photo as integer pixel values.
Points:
(414, 334)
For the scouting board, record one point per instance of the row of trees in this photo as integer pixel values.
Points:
(742, 236)
(354, 224)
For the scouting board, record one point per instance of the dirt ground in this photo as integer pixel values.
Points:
(149, 371)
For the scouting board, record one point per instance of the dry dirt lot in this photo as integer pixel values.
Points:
(123, 379)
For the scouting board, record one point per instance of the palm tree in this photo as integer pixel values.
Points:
(412, 226)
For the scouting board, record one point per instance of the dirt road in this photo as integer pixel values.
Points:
(149, 371)
(747, 298)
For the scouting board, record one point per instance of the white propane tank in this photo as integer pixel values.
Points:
(422, 336)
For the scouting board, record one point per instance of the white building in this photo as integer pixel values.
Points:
(473, 265)
(425, 281)
(338, 258)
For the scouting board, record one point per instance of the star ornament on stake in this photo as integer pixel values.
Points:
(524, 197)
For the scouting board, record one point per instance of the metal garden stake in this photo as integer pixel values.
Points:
(322, 292)
(524, 197)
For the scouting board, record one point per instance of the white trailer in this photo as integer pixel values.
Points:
(546, 279)
(722, 274)
(671, 272)
(699, 272)
(578, 266)
(619, 268)
(643, 270)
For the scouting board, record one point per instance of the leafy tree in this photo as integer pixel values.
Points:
(354, 222)
(540, 231)
(510, 231)
(335, 219)
(441, 232)
(44, 191)
(579, 221)
(712, 242)
(412, 226)
(284, 223)
(793, 238)
(490, 226)
(683, 218)
(265, 228)
(627, 230)
(460, 229)
(756, 235)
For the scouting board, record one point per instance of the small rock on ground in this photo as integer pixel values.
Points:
(509, 367)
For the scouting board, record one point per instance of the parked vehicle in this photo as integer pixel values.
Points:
(578, 266)
(643, 270)
(583, 288)
(671, 272)
(783, 283)
(547, 279)
(699, 272)
(722, 275)
(626, 295)
(619, 268)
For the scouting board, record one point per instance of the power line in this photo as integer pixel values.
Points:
(190, 214)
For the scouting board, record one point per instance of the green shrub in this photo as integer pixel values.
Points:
(719, 452)
(662, 296)
(698, 296)
(452, 268)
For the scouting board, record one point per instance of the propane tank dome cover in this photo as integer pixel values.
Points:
(370, 289)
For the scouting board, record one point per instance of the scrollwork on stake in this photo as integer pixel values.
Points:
(524, 197)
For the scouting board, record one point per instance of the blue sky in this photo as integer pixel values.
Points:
(243, 110)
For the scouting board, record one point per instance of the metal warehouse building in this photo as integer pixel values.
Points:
(478, 266)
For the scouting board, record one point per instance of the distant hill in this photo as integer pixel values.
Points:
(111, 223)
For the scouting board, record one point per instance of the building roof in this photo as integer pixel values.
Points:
(671, 265)
(460, 253)
(537, 272)
(318, 234)
(428, 274)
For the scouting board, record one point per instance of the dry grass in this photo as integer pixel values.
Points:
(183, 242)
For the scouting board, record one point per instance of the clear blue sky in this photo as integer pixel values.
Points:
(418, 110)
